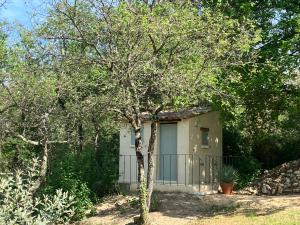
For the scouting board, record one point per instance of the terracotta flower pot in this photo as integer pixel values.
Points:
(227, 188)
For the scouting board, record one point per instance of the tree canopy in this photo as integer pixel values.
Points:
(92, 65)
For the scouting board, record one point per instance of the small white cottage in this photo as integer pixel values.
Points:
(187, 155)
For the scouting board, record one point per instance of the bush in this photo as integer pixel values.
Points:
(155, 204)
(88, 174)
(107, 164)
(71, 173)
(228, 174)
(80, 191)
(108, 169)
(18, 205)
(14, 154)
(249, 168)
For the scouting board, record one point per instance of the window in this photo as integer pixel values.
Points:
(132, 142)
(204, 137)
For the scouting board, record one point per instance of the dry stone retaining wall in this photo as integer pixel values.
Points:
(283, 179)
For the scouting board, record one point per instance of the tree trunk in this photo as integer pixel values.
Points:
(43, 170)
(97, 134)
(44, 165)
(151, 162)
(80, 137)
(142, 185)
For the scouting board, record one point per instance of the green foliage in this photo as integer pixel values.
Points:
(58, 209)
(71, 172)
(156, 203)
(262, 111)
(18, 205)
(14, 154)
(133, 202)
(238, 146)
(81, 193)
(107, 164)
(93, 211)
(171, 51)
(266, 151)
(87, 175)
(273, 150)
(228, 174)
(248, 168)
(252, 153)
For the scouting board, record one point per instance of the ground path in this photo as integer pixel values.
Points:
(181, 208)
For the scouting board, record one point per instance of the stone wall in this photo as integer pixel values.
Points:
(283, 179)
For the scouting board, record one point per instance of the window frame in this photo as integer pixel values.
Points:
(204, 131)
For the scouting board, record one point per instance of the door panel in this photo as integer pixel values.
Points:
(168, 151)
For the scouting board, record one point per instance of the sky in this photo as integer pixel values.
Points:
(16, 11)
(20, 11)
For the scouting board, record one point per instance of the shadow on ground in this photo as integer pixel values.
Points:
(183, 205)
(181, 208)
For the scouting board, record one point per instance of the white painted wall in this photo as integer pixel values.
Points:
(182, 150)
(188, 143)
(127, 161)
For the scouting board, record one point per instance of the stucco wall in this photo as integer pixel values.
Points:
(205, 161)
(209, 120)
(189, 149)
(182, 150)
(128, 163)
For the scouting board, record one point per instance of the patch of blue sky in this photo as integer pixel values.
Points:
(16, 11)
(22, 12)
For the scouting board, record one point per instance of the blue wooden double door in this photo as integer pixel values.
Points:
(168, 152)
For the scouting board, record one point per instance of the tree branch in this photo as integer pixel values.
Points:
(9, 92)
(36, 143)
(6, 108)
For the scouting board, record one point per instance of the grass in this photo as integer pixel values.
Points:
(251, 217)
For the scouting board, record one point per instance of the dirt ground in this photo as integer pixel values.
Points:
(182, 208)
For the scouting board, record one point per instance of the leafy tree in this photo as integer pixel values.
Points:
(44, 105)
(29, 98)
(265, 95)
(151, 57)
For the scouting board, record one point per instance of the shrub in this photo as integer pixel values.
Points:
(107, 164)
(155, 204)
(83, 199)
(18, 205)
(88, 174)
(15, 154)
(70, 173)
(58, 209)
(228, 174)
(248, 168)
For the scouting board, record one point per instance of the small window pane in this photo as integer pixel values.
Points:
(204, 137)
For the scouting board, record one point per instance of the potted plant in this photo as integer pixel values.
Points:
(227, 176)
